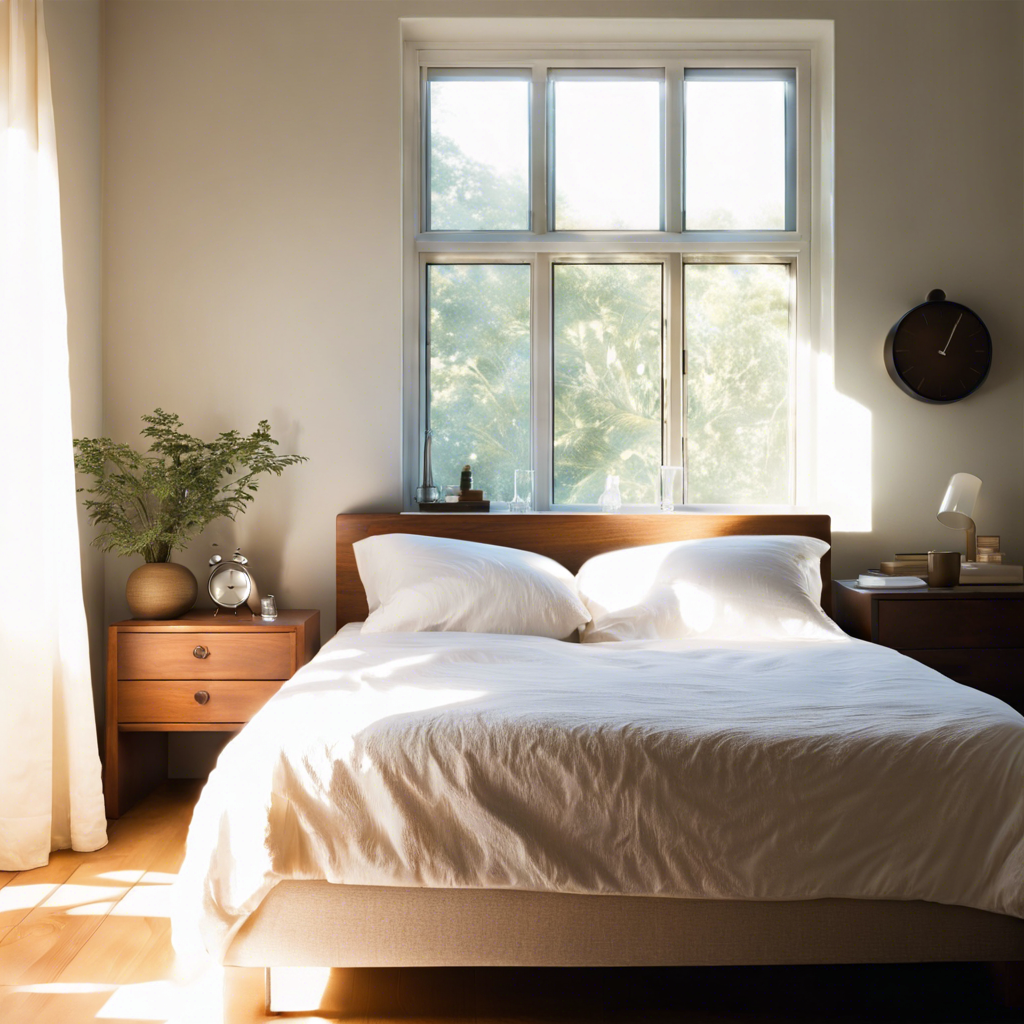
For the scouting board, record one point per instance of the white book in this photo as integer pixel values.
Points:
(980, 573)
(872, 582)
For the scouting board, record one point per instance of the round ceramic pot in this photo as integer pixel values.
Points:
(161, 590)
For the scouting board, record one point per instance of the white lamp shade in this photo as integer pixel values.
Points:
(957, 508)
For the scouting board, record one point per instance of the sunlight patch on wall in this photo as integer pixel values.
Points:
(843, 456)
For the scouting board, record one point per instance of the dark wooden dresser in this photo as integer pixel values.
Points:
(974, 635)
(200, 673)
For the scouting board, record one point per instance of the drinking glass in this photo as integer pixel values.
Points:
(522, 500)
(671, 488)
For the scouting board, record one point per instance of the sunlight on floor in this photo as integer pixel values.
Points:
(131, 877)
(23, 897)
(197, 1001)
(64, 988)
(145, 901)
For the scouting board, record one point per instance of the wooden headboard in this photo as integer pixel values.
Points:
(570, 538)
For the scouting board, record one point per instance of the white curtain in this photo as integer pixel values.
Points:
(50, 791)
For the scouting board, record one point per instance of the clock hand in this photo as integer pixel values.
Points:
(942, 351)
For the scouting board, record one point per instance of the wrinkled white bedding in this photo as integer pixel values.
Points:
(770, 771)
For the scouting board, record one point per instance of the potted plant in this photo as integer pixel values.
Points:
(154, 503)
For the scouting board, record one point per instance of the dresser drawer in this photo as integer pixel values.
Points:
(174, 700)
(926, 625)
(220, 656)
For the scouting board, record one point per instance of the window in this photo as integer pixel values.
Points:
(607, 150)
(477, 150)
(608, 264)
(739, 170)
(478, 372)
(608, 344)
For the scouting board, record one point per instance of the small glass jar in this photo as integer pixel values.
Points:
(268, 607)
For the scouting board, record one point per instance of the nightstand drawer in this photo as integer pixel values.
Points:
(999, 672)
(206, 656)
(926, 625)
(174, 700)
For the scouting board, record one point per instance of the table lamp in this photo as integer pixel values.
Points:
(957, 508)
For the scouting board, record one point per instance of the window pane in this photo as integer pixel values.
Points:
(607, 381)
(479, 384)
(735, 169)
(607, 153)
(738, 352)
(479, 153)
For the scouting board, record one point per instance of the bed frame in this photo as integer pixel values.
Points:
(311, 924)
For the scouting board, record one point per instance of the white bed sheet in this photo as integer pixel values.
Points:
(767, 771)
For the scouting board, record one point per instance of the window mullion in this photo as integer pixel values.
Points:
(675, 382)
(673, 148)
(542, 397)
(538, 150)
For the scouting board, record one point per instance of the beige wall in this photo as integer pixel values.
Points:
(252, 247)
(73, 32)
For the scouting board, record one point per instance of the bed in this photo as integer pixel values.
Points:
(565, 910)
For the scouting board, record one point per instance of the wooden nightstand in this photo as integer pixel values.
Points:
(199, 673)
(974, 635)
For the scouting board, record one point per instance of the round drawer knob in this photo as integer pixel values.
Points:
(202, 697)
(200, 652)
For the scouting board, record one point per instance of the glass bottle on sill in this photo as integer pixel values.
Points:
(611, 496)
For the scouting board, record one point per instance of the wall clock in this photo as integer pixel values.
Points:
(939, 352)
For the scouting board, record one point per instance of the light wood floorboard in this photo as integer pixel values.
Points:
(87, 939)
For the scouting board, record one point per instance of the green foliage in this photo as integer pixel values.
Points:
(607, 400)
(479, 332)
(466, 195)
(152, 504)
(738, 356)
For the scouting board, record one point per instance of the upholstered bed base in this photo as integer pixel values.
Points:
(316, 924)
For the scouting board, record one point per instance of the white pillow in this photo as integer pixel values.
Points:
(720, 588)
(415, 584)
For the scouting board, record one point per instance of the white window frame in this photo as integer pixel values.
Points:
(806, 250)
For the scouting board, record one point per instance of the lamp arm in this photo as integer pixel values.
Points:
(972, 542)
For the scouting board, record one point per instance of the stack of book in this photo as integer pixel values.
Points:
(907, 563)
(990, 567)
(988, 550)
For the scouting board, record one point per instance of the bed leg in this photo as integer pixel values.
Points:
(1008, 983)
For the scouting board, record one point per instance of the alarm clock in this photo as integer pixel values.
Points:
(939, 352)
(232, 584)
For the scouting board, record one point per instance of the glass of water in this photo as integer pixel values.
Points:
(671, 488)
(522, 501)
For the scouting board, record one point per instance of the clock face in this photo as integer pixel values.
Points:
(939, 352)
(230, 586)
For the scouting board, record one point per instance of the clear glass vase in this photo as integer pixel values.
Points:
(522, 500)
(611, 496)
(673, 488)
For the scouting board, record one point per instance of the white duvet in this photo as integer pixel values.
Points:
(766, 771)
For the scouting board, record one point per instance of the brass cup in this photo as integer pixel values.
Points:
(943, 568)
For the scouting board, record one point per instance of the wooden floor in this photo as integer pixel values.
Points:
(87, 938)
